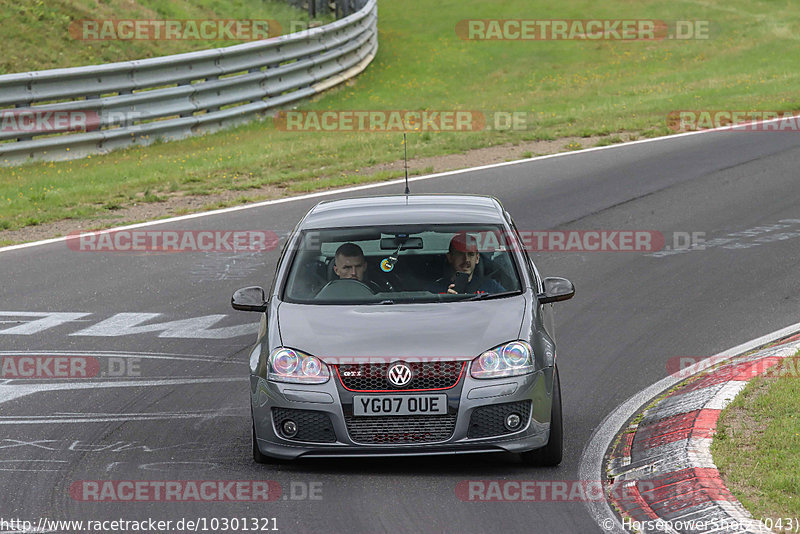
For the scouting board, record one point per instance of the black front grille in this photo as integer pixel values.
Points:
(400, 429)
(425, 375)
(312, 426)
(490, 420)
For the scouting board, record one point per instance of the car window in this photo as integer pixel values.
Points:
(401, 264)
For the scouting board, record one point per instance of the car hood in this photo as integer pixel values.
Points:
(460, 330)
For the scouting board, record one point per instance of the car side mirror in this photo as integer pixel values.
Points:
(556, 289)
(249, 299)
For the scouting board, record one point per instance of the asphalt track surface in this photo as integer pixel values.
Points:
(631, 314)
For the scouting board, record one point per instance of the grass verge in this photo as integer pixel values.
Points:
(40, 29)
(567, 88)
(757, 444)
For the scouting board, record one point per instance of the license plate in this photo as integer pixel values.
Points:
(400, 405)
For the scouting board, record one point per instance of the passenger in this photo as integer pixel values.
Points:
(463, 256)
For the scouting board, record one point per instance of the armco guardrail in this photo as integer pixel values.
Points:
(172, 97)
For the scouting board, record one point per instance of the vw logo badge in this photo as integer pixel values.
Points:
(399, 374)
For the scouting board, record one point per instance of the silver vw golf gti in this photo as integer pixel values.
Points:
(405, 325)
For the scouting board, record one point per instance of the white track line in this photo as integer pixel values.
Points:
(591, 465)
(10, 392)
(120, 354)
(381, 184)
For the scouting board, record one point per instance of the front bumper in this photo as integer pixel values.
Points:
(331, 400)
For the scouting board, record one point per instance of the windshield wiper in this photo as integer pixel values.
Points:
(387, 301)
(486, 296)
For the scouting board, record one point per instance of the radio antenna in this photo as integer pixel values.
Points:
(405, 161)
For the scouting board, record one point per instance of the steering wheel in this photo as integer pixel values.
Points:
(345, 287)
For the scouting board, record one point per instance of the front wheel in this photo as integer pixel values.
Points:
(551, 454)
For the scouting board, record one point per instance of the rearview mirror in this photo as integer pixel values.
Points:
(391, 243)
(556, 289)
(249, 299)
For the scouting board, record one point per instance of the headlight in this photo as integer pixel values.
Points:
(511, 359)
(287, 365)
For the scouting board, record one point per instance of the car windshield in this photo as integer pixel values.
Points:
(402, 264)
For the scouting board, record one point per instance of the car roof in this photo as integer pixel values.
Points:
(404, 209)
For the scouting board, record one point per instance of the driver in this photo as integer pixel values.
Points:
(462, 256)
(350, 263)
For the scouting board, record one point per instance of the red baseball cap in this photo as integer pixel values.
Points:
(462, 242)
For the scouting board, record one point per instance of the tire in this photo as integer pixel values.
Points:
(551, 454)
